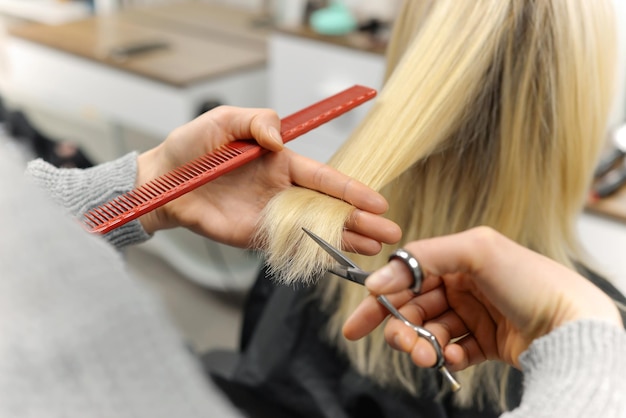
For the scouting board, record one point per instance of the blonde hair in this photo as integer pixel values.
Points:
(493, 113)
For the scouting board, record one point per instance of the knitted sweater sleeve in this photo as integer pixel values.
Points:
(79, 191)
(578, 370)
(78, 336)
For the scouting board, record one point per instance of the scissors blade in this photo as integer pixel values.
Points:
(355, 275)
(332, 251)
(346, 267)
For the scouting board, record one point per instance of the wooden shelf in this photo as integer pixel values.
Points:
(356, 40)
(209, 52)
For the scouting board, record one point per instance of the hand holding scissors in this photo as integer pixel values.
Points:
(485, 297)
(350, 271)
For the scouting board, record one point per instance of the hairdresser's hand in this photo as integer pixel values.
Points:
(483, 288)
(227, 208)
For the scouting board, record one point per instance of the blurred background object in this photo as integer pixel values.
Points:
(610, 174)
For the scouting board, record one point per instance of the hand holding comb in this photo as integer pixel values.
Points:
(222, 160)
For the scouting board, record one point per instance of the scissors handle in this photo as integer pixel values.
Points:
(424, 333)
(413, 265)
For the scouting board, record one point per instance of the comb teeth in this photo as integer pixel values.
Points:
(227, 157)
(162, 189)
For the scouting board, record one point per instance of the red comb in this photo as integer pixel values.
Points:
(195, 173)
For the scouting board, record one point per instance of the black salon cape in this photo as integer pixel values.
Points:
(285, 369)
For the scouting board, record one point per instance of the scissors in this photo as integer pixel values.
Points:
(347, 269)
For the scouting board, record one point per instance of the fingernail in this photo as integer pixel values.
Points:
(397, 344)
(275, 135)
(402, 342)
(380, 278)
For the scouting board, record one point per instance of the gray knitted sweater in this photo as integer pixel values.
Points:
(80, 338)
